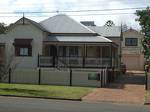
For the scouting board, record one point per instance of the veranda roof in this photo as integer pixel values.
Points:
(77, 39)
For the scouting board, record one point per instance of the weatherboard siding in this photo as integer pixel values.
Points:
(27, 31)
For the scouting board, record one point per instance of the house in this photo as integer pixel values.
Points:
(57, 41)
(129, 42)
(113, 33)
(132, 54)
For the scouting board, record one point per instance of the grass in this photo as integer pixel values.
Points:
(64, 92)
(148, 96)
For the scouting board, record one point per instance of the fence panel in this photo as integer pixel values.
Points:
(45, 61)
(29, 76)
(85, 78)
(55, 77)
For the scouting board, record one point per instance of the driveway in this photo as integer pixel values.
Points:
(9, 104)
(127, 88)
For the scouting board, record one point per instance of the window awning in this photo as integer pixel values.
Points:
(22, 41)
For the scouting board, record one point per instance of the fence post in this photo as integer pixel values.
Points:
(70, 77)
(146, 81)
(104, 75)
(101, 78)
(38, 64)
(39, 81)
(9, 79)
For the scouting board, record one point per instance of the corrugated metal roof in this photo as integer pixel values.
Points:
(64, 24)
(36, 24)
(114, 31)
(77, 39)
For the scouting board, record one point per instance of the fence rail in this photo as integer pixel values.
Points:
(75, 61)
(45, 61)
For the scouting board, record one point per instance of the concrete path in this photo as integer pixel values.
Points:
(14, 104)
(127, 88)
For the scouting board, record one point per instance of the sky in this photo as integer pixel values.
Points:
(100, 17)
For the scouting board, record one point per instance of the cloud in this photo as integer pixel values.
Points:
(60, 5)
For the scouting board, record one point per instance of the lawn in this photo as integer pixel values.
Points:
(148, 96)
(47, 91)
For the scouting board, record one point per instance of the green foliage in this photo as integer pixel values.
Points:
(147, 97)
(144, 21)
(3, 28)
(109, 23)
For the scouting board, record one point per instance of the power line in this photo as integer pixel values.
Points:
(96, 10)
(76, 15)
(103, 14)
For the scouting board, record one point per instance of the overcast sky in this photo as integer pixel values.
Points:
(61, 5)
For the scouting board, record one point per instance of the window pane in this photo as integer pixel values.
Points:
(21, 51)
(131, 41)
(24, 51)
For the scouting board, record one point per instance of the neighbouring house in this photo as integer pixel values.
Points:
(113, 33)
(132, 54)
(128, 41)
(59, 41)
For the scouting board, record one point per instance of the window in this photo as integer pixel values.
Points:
(73, 51)
(23, 51)
(131, 42)
(23, 47)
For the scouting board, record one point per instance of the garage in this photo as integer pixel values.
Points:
(133, 62)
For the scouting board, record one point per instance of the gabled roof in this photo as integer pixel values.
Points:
(64, 24)
(37, 25)
(114, 31)
(132, 30)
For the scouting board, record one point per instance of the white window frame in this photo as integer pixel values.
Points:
(24, 51)
(129, 41)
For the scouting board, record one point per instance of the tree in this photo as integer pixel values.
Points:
(3, 28)
(109, 23)
(144, 21)
(9, 62)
